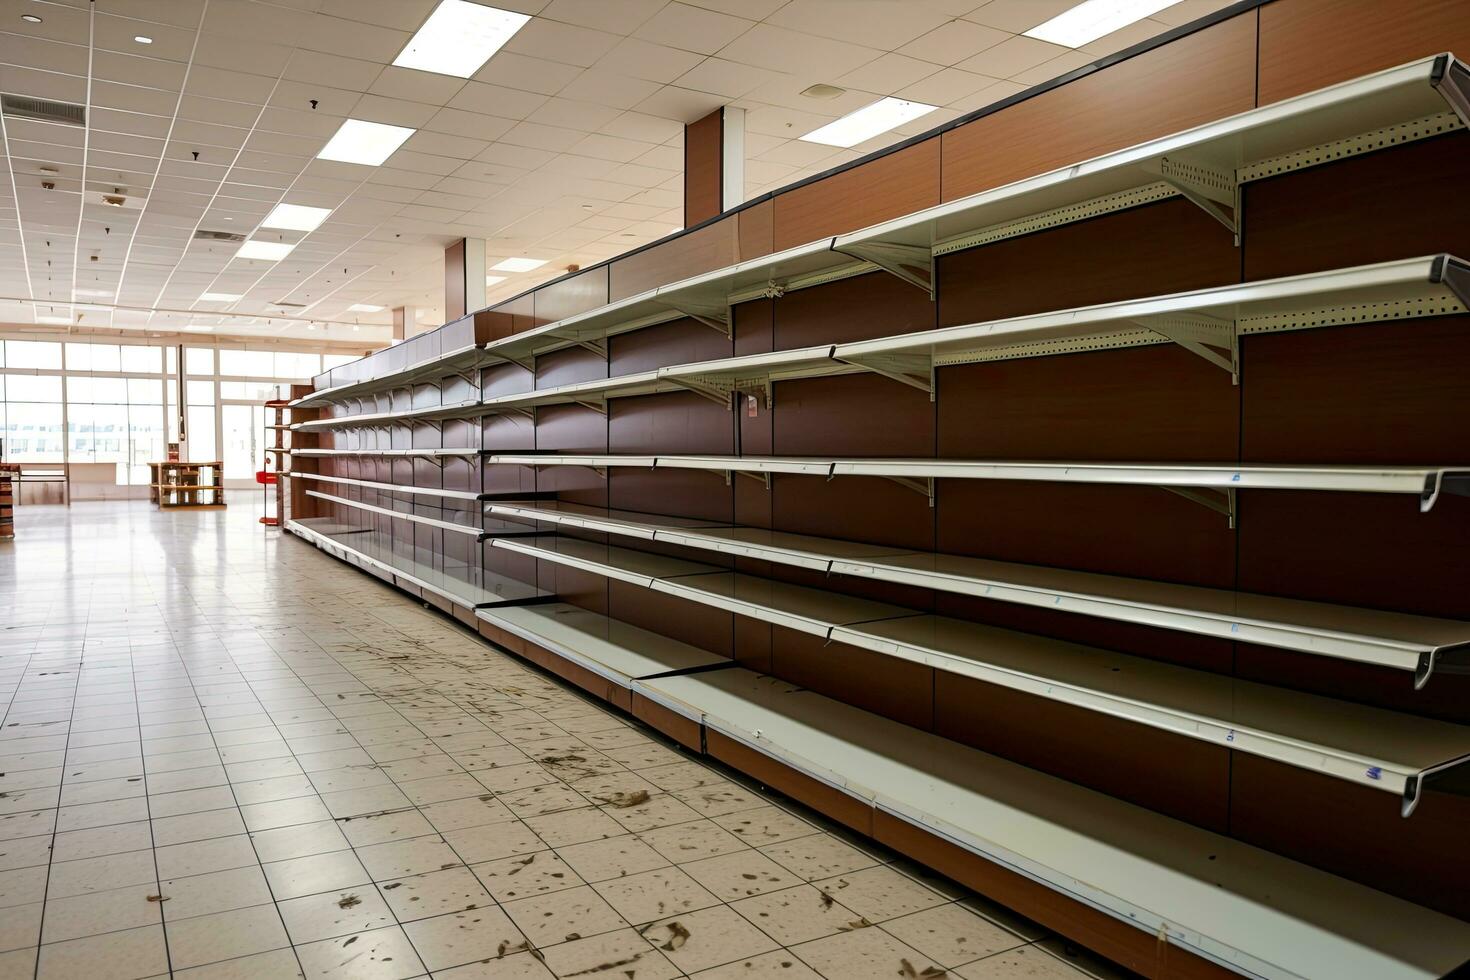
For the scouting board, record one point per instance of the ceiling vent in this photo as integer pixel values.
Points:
(46, 110)
(282, 304)
(201, 235)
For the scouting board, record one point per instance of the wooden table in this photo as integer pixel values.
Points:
(176, 485)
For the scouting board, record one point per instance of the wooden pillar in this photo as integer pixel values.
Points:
(714, 164)
(464, 278)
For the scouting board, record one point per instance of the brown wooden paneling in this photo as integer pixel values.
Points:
(676, 422)
(1158, 403)
(892, 185)
(1182, 777)
(1309, 44)
(1195, 79)
(711, 247)
(835, 416)
(829, 802)
(1409, 196)
(696, 494)
(683, 730)
(1132, 947)
(757, 229)
(454, 281)
(570, 296)
(594, 684)
(1377, 393)
(856, 508)
(1144, 532)
(887, 686)
(1358, 549)
(860, 308)
(1355, 831)
(676, 342)
(1446, 696)
(704, 142)
(689, 622)
(1167, 247)
(753, 644)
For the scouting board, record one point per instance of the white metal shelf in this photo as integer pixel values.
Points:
(432, 413)
(612, 649)
(1425, 482)
(389, 487)
(465, 453)
(355, 545)
(1207, 165)
(1242, 907)
(1418, 644)
(475, 532)
(1381, 749)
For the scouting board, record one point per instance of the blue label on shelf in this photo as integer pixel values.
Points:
(1375, 772)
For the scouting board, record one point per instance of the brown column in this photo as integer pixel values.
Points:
(703, 146)
(464, 278)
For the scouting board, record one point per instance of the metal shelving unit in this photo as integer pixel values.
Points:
(1207, 165)
(348, 544)
(476, 532)
(1417, 644)
(1242, 907)
(1425, 482)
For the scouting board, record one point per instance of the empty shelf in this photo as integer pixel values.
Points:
(410, 453)
(434, 413)
(399, 515)
(1385, 750)
(485, 591)
(1426, 482)
(391, 487)
(464, 359)
(1387, 639)
(1242, 907)
(610, 648)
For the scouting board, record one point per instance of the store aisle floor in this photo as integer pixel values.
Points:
(226, 755)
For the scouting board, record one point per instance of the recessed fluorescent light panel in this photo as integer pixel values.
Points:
(517, 265)
(220, 297)
(458, 38)
(367, 143)
(364, 308)
(53, 319)
(867, 122)
(296, 217)
(271, 251)
(1093, 19)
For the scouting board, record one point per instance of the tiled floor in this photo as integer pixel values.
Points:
(226, 755)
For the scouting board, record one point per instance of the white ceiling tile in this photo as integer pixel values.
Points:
(887, 73)
(394, 112)
(353, 74)
(1048, 70)
(953, 42)
(690, 28)
(780, 49)
(402, 15)
(1018, 16)
(728, 79)
(620, 17)
(564, 43)
(541, 137)
(416, 86)
(1012, 56)
(494, 100)
(445, 145)
(643, 59)
(880, 24)
(517, 71)
(583, 116)
(608, 88)
(945, 87)
(472, 125)
(680, 104)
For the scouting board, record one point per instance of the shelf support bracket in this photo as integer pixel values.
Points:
(600, 407)
(1206, 336)
(596, 347)
(1215, 192)
(715, 315)
(914, 264)
(1219, 501)
(914, 370)
(762, 478)
(923, 486)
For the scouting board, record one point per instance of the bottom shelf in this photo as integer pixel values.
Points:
(356, 544)
(1237, 905)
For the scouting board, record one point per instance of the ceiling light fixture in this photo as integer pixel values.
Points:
(459, 37)
(30, 18)
(220, 297)
(1093, 19)
(823, 91)
(367, 143)
(270, 251)
(867, 122)
(517, 265)
(295, 217)
(494, 280)
(142, 39)
(364, 308)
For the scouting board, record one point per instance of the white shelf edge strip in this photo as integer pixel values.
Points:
(398, 515)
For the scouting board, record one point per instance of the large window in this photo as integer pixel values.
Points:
(115, 403)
